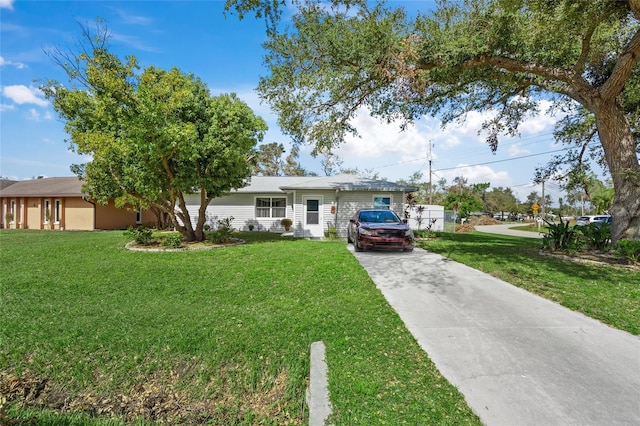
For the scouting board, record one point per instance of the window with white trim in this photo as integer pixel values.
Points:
(12, 211)
(382, 202)
(47, 211)
(139, 215)
(57, 211)
(271, 207)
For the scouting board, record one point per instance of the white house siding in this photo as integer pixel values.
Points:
(240, 206)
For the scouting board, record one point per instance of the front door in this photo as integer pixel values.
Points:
(312, 216)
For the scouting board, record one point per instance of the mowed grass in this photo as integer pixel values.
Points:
(606, 293)
(95, 334)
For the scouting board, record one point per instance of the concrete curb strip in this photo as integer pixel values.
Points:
(319, 404)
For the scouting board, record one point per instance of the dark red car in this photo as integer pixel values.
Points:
(379, 228)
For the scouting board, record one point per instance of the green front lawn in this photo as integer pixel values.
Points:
(95, 334)
(606, 293)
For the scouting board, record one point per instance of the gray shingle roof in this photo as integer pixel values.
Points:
(72, 186)
(46, 187)
(6, 182)
(343, 182)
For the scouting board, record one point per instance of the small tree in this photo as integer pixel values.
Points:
(155, 136)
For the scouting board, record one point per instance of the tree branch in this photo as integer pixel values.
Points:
(623, 68)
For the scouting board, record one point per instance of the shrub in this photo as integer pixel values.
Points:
(627, 249)
(597, 237)
(286, 222)
(561, 236)
(172, 241)
(139, 234)
(223, 233)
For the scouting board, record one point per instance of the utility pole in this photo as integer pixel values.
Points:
(430, 187)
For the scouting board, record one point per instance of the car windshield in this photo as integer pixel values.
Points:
(382, 216)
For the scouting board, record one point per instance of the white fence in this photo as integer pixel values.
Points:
(421, 216)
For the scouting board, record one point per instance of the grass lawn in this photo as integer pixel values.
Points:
(95, 334)
(606, 293)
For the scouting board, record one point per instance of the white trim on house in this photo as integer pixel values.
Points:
(310, 229)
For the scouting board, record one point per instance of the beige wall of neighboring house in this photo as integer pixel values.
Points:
(110, 217)
(80, 214)
(68, 208)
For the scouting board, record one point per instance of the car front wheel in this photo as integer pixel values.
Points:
(356, 245)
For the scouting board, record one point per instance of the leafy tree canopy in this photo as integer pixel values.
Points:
(155, 136)
(501, 56)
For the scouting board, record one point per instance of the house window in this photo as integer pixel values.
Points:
(382, 202)
(57, 211)
(139, 215)
(271, 207)
(47, 211)
(12, 211)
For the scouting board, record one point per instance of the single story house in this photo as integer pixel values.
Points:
(315, 204)
(59, 203)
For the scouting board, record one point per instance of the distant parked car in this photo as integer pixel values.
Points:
(585, 220)
(599, 221)
(379, 228)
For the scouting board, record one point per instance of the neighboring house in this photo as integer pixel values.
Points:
(59, 203)
(314, 204)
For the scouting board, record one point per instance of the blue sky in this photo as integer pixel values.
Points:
(227, 54)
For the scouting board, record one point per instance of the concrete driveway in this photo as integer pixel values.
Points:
(518, 359)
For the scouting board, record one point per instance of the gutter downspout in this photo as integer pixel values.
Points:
(337, 210)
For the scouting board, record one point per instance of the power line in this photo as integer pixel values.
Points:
(502, 161)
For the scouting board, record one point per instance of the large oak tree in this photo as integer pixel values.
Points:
(155, 136)
(502, 56)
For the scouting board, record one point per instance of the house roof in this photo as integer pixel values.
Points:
(343, 182)
(45, 187)
(5, 183)
(72, 186)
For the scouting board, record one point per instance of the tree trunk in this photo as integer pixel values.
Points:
(202, 215)
(620, 153)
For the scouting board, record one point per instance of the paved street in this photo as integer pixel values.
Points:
(504, 229)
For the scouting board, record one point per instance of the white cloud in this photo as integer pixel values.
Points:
(128, 18)
(6, 107)
(378, 139)
(4, 62)
(36, 116)
(6, 4)
(477, 174)
(134, 42)
(24, 95)
(33, 115)
(516, 150)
